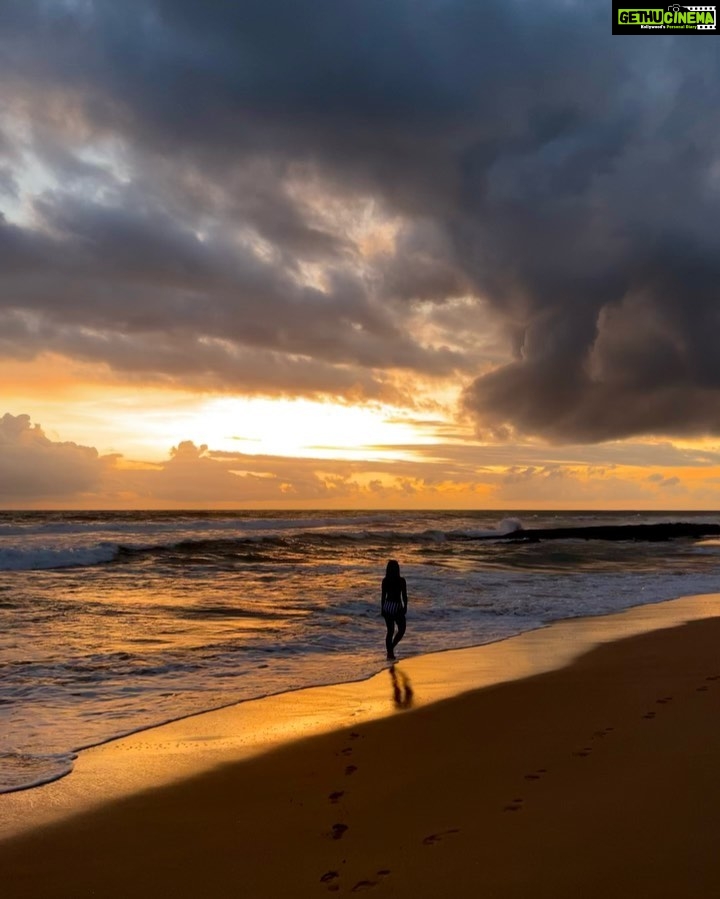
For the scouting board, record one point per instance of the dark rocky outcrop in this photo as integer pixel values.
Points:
(670, 530)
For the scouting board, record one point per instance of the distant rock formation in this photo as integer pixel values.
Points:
(670, 530)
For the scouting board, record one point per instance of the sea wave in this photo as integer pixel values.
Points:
(35, 558)
(505, 527)
(256, 540)
(65, 525)
(24, 770)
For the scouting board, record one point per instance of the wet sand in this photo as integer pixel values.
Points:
(598, 778)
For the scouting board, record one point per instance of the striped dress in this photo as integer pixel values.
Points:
(392, 591)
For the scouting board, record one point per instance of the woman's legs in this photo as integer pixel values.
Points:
(392, 641)
(400, 621)
(390, 623)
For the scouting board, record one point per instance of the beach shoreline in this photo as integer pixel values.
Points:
(183, 747)
(191, 615)
(496, 747)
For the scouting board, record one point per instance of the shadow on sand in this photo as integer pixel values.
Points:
(402, 690)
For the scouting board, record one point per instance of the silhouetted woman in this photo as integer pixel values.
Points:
(393, 605)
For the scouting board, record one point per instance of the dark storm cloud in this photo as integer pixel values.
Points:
(423, 266)
(567, 179)
(121, 278)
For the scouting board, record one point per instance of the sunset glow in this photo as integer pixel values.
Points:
(316, 279)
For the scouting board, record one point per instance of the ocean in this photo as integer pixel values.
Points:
(112, 622)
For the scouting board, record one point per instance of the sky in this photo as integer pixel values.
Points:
(356, 254)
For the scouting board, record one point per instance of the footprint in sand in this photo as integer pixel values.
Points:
(354, 735)
(649, 716)
(537, 774)
(334, 797)
(329, 876)
(347, 750)
(351, 769)
(338, 831)
(369, 884)
(584, 752)
(514, 806)
(664, 701)
(436, 837)
(702, 689)
(713, 677)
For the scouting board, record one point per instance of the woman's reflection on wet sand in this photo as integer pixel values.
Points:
(402, 691)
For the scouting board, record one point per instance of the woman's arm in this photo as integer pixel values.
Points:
(403, 590)
(382, 596)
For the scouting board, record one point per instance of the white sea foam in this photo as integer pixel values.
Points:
(17, 558)
(505, 527)
(24, 770)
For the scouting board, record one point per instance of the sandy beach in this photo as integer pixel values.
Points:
(598, 778)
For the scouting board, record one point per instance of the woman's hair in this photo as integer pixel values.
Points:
(393, 569)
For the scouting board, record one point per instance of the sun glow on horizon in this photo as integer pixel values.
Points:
(89, 405)
(308, 429)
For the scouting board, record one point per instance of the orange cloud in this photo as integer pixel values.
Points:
(37, 471)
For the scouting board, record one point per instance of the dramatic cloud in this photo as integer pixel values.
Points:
(327, 198)
(32, 466)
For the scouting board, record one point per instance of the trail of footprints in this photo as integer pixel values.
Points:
(331, 878)
(516, 805)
